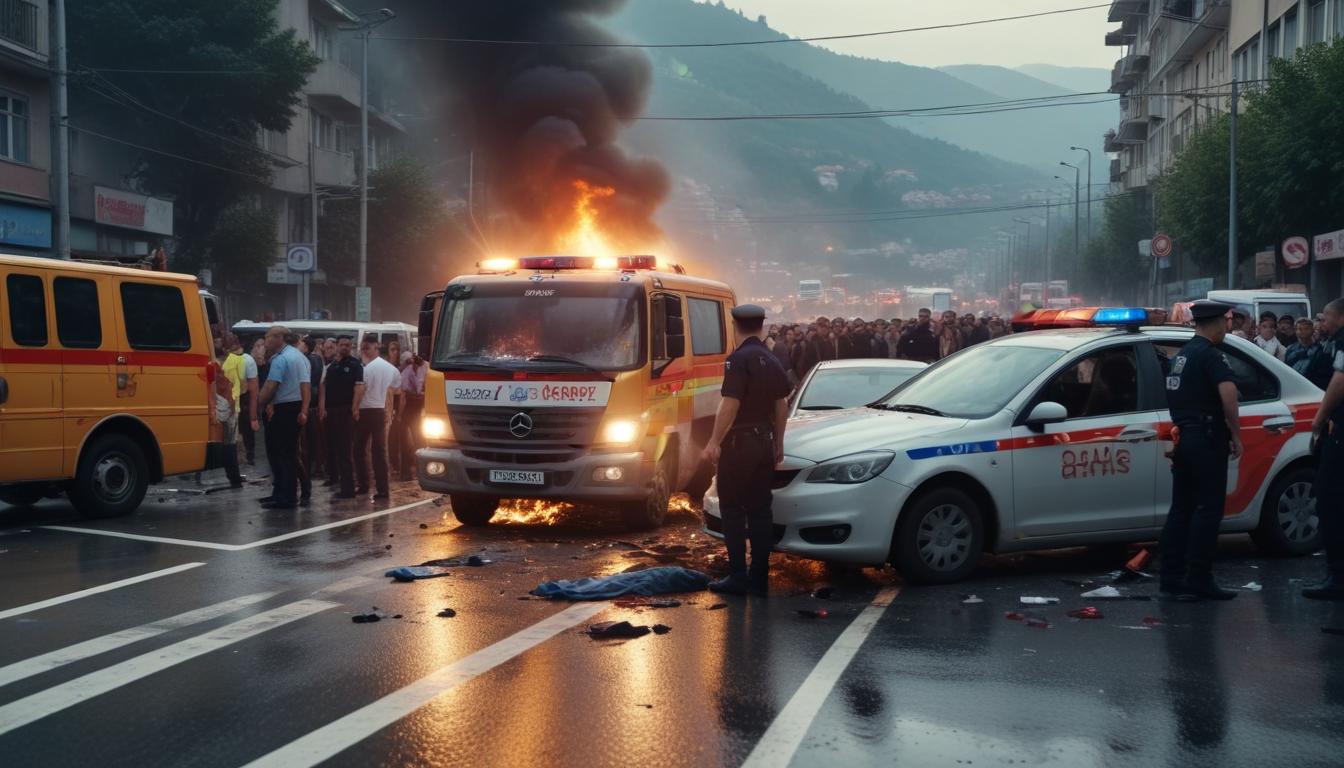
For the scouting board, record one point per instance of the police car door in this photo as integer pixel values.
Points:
(1266, 425)
(1094, 471)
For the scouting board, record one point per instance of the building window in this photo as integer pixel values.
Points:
(156, 317)
(324, 131)
(1337, 13)
(13, 127)
(1316, 22)
(319, 36)
(1272, 41)
(1290, 41)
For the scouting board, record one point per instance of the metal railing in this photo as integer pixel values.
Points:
(23, 23)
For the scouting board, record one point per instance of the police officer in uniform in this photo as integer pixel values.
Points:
(1327, 436)
(747, 443)
(1203, 402)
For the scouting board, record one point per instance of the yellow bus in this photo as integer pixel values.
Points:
(106, 382)
(588, 380)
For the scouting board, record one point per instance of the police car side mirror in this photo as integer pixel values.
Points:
(1046, 413)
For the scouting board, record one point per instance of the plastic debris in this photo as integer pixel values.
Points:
(617, 629)
(973, 600)
(366, 618)
(661, 629)
(1103, 593)
(1026, 600)
(1014, 616)
(650, 581)
(1252, 586)
(408, 573)
(810, 613)
(1090, 612)
(446, 613)
(1038, 622)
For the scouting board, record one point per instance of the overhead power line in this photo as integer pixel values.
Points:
(183, 158)
(737, 43)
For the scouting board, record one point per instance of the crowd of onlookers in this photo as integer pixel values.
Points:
(924, 338)
(1300, 342)
(323, 409)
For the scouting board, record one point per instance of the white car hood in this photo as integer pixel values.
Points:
(825, 435)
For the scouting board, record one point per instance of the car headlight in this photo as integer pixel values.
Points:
(858, 468)
(434, 428)
(622, 431)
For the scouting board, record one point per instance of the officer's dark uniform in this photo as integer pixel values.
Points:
(1199, 465)
(755, 379)
(1329, 489)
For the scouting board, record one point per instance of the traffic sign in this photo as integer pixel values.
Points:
(1296, 252)
(301, 257)
(1161, 245)
(363, 304)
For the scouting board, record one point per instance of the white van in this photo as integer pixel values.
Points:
(1255, 303)
(402, 333)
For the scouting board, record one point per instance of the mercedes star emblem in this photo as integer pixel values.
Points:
(520, 425)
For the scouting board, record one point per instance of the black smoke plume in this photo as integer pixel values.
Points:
(546, 116)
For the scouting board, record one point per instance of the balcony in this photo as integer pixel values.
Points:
(1111, 142)
(1134, 120)
(1117, 171)
(23, 29)
(1122, 8)
(1186, 37)
(1121, 36)
(332, 168)
(334, 86)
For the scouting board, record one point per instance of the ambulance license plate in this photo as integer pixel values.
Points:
(517, 477)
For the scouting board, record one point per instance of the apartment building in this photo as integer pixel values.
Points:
(25, 207)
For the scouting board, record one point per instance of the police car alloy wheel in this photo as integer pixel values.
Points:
(1288, 521)
(939, 537)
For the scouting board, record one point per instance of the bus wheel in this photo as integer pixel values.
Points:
(22, 495)
(473, 510)
(652, 510)
(112, 478)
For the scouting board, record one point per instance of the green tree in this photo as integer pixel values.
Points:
(243, 239)
(168, 94)
(1111, 268)
(1192, 197)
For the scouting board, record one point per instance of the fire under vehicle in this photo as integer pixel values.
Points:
(591, 380)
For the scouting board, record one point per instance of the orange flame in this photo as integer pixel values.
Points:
(584, 237)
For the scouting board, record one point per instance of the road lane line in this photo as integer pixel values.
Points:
(236, 547)
(347, 731)
(29, 608)
(46, 662)
(23, 711)
(777, 747)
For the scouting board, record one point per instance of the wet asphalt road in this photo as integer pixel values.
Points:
(237, 645)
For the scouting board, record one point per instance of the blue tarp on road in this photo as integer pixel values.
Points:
(652, 581)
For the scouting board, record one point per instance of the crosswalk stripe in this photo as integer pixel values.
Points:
(782, 739)
(19, 713)
(36, 665)
(29, 608)
(347, 731)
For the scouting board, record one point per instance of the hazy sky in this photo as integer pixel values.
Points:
(1071, 39)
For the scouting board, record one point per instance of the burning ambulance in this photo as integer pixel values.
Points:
(588, 379)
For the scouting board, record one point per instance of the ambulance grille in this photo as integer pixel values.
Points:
(488, 428)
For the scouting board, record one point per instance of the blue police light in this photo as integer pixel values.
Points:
(1120, 316)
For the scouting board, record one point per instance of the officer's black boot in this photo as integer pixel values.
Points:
(1199, 585)
(1330, 589)
(732, 584)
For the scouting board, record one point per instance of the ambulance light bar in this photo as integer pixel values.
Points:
(622, 263)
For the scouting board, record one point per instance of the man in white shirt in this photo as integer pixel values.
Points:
(382, 381)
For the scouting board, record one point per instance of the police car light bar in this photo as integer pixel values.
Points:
(1127, 316)
(1080, 317)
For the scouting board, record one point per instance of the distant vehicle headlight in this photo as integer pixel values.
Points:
(434, 428)
(856, 468)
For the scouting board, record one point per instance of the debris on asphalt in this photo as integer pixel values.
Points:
(973, 600)
(366, 618)
(471, 561)
(388, 546)
(396, 616)
(446, 613)
(1090, 612)
(717, 606)
(810, 613)
(440, 501)
(1039, 622)
(409, 573)
(823, 593)
(650, 581)
(1028, 600)
(658, 602)
(1014, 616)
(1252, 586)
(423, 526)
(661, 629)
(645, 706)
(1103, 593)
(617, 630)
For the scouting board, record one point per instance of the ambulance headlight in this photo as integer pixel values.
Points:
(856, 468)
(434, 428)
(622, 431)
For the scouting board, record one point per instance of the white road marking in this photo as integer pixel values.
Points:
(777, 747)
(29, 608)
(89, 648)
(19, 713)
(236, 547)
(347, 731)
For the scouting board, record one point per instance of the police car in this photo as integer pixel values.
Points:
(1050, 438)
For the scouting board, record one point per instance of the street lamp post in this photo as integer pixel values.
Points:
(1076, 200)
(1089, 188)
(368, 21)
(1025, 253)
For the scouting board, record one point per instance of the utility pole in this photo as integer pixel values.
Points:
(1232, 194)
(365, 28)
(60, 131)
(1089, 189)
(305, 302)
(1077, 200)
(1049, 266)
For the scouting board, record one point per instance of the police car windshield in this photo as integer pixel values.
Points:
(833, 388)
(977, 382)
(542, 326)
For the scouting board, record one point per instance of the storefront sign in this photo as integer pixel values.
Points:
(1330, 246)
(131, 211)
(1264, 265)
(24, 226)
